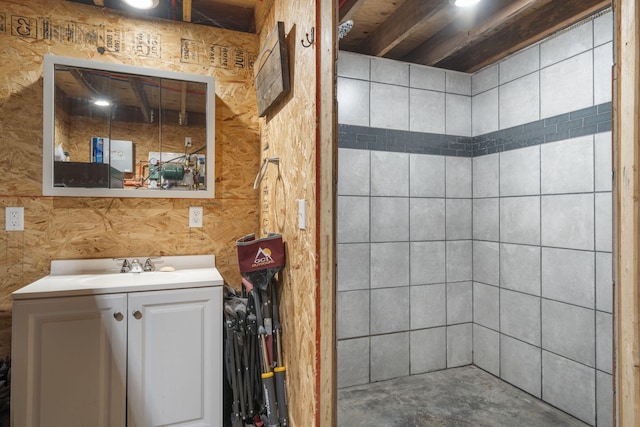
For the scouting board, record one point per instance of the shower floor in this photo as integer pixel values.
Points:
(466, 396)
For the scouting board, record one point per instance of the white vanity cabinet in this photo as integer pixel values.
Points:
(171, 355)
(69, 362)
(136, 359)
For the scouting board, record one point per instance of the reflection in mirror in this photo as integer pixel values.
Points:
(118, 131)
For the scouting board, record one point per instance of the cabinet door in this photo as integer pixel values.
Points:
(69, 362)
(175, 358)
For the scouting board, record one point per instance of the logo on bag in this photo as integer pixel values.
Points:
(263, 257)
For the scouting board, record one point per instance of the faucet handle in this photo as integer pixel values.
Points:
(148, 265)
(126, 267)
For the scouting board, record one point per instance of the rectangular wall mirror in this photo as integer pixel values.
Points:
(113, 130)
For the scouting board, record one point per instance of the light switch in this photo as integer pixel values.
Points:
(302, 214)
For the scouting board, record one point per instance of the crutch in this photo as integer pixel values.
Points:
(230, 323)
(240, 312)
(268, 390)
(279, 369)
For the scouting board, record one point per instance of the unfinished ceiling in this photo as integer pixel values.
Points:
(428, 32)
(436, 33)
(235, 15)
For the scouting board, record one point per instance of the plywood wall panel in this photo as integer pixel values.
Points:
(289, 132)
(63, 228)
(21, 159)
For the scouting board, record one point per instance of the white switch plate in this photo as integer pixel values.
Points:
(302, 214)
(14, 219)
(195, 216)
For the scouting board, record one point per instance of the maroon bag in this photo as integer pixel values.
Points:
(260, 254)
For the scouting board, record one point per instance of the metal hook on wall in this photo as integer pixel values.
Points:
(310, 38)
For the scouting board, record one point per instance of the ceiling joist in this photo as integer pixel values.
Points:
(401, 24)
(348, 8)
(84, 82)
(186, 10)
(541, 23)
(451, 40)
(183, 103)
(141, 98)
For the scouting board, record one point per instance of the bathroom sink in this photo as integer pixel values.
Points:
(77, 277)
(144, 278)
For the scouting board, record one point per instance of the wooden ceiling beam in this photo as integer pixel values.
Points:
(141, 97)
(402, 24)
(183, 104)
(186, 10)
(348, 8)
(528, 34)
(539, 22)
(84, 82)
(451, 40)
(223, 15)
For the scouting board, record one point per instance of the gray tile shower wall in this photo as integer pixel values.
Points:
(554, 285)
(474, 220)
(404, 271)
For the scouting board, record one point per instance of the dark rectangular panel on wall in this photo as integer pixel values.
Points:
(272, 71)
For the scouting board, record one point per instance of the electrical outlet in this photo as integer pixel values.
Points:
(195, 216)
(14, 219)
(187, 141)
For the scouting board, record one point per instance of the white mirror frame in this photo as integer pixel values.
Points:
(48, 188)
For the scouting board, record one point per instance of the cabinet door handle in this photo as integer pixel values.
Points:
(118, 316)
(137, 314)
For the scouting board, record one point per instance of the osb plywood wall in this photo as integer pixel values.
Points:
(289, 133)
(64, 228)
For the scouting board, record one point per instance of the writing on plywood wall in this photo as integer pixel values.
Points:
(118, 39)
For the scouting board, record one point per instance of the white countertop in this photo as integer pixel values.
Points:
(77, 282)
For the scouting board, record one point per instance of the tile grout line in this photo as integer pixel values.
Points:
(539, 149)
(595, 244)
(446, 270)
(370, 261)
(499, 264)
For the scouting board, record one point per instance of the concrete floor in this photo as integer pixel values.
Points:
(466, 396)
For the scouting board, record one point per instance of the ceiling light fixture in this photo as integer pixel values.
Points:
(464, 3)
(101, 102)
(141, 4)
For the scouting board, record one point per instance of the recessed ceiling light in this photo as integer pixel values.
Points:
(142, 4)
(464, 3)
(101, 102)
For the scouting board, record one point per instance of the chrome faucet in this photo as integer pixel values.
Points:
(135, 266)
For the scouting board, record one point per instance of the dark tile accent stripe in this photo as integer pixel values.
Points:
(587, 121)
(367, 138)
